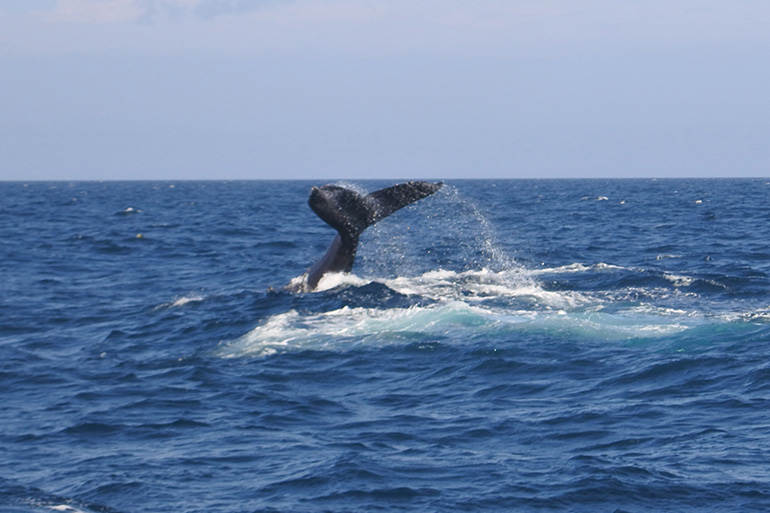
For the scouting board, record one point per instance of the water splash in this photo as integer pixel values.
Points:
(451, 232)
(461, 307)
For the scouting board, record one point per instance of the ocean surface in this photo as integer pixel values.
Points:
(524, 345)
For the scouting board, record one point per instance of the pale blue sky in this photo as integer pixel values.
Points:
(197, 89)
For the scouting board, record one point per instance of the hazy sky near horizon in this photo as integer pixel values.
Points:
(356, 89)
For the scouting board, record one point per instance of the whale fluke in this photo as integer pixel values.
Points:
(350, 213)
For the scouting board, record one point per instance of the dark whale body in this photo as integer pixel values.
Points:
(350, 213)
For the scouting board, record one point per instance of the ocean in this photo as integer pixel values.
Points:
(513, 345)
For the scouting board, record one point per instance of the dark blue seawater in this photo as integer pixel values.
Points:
(559, 345)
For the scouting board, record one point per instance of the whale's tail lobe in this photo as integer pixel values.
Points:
(398, 196)
(350, 213)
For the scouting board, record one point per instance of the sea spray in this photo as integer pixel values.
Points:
(447, 231)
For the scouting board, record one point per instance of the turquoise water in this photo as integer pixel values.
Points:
(556, 345)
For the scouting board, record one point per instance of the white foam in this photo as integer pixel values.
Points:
(328, 281)
(443, 284)
(298, 283)
(186, 299)
(66, 508)
(346, 327)
(478, 286)
(469, 302)
(761, 316)
(577, 267)
(463, 305)
(181, 301)
(679, 280)
(333, 280)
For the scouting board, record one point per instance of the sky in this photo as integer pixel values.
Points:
(362, 89)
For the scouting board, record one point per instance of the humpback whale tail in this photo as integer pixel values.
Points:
(350, 213)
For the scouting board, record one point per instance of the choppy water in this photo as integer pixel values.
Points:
(501, 346)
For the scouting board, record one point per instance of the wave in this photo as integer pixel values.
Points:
(182, 300)
(16, 497)
(468, 286)
(455, 307)
(347, 328)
